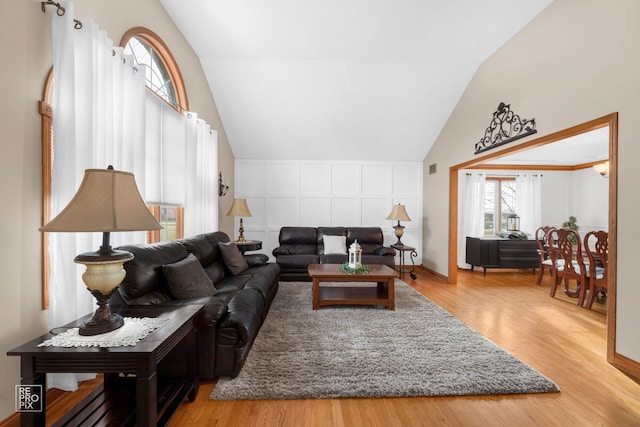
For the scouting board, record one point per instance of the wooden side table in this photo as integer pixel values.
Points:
(144, 399)
(412, 252)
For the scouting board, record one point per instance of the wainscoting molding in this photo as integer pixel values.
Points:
(328, 193)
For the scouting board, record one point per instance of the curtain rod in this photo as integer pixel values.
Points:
(60, 11)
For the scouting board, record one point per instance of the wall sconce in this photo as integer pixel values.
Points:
(222, 188)
(602, 169)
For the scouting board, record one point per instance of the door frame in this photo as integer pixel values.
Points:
(610, 120)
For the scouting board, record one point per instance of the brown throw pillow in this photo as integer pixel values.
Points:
(233, 258)
(187, 279)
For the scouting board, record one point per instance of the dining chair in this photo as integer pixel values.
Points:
(565, 249)
(546, 263)
(596, 245)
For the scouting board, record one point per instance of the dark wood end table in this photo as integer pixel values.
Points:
(132, 393)
(383, 294)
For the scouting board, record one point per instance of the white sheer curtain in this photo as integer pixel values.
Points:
(471, 213)
(201, 205)
(528, 201)
(103, 115)
(98, 121)
(165, 145)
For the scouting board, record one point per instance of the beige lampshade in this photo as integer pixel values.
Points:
(239, 208)
(399, 213)
(107, 200)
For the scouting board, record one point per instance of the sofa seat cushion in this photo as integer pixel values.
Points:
(263, 283)
(333, 259)
(301, 261)
(187, 279)
(243, 318)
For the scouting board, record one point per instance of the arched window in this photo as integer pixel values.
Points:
(164, 79)
(160, 68)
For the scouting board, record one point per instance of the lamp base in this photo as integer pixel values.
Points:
(241, 238)
(103, 275)
(399, 231)
(103, 319)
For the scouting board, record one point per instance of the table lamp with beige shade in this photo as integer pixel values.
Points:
(399, 213)
(240, 209)
(107, 200)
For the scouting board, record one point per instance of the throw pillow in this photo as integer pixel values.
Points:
(233, 258)
(335, 245)
(187, 279)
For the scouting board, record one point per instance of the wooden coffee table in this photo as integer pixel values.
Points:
(382, 294)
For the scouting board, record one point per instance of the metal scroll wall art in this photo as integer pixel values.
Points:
(505, 127)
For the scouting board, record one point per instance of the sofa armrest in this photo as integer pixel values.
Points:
(213, 309)
(280, 250)
(256, 260)
(385, 250)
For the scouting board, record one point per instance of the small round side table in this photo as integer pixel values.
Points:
(249, 245)
(412, 252)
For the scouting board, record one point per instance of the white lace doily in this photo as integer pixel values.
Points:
(133, 330)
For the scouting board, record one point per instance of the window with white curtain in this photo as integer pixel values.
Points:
(165, 123)
(101, 119)
(499, 202)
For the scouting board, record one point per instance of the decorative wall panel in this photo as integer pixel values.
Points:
(328, 193)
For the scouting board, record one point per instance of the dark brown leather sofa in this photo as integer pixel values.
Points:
(301, 246)
(230, 319)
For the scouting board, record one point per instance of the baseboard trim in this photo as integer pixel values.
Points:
(426, 270)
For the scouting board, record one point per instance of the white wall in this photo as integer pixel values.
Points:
(328, 193)
(582, 193)
(576, 61)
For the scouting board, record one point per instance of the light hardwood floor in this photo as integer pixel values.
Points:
(561, 340)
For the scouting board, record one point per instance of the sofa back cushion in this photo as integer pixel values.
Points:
(205, 248)
(144, 271)
(369, 238)
(329, 231)
(297, 240)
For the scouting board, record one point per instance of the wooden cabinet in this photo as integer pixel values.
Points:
(492, 252)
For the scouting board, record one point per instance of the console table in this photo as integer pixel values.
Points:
(135, 391)
(495, 252)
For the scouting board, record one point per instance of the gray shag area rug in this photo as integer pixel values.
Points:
(347, 351)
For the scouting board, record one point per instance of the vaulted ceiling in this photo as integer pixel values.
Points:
(342, 79)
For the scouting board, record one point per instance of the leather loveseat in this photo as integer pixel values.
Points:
(301, 246)
(236, 297)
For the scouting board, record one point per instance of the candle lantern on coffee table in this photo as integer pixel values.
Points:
(355, 255)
